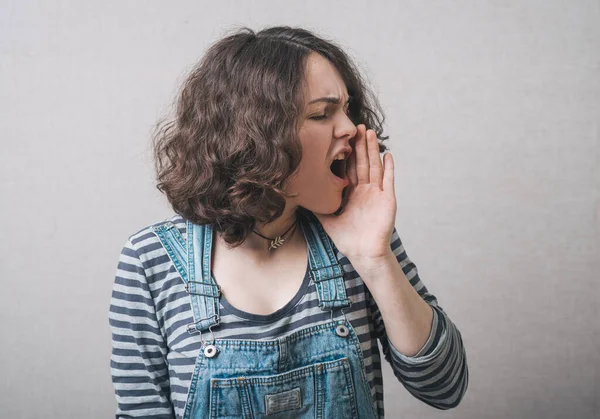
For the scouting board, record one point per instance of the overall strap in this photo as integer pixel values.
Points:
(175, 246)
(325, 270)
(203, 290)
(187, 257)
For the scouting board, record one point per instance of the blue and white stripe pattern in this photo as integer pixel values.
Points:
(153, 355)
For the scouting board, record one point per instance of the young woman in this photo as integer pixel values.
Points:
(266, 293)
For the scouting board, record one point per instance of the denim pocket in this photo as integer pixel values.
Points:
(319, 390)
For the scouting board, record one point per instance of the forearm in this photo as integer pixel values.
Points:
(428, 359)
(407, 317)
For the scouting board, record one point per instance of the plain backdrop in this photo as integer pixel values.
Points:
(493, 112)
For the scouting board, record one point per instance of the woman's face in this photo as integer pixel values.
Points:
(325, 131)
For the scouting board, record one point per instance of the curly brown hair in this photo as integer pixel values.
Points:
(225, 157)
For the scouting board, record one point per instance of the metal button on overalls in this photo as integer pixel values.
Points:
(342, 330)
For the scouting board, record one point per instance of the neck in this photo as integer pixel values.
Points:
(274, 229)
(259, 245)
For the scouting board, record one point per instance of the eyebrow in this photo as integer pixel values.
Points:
(329, 99)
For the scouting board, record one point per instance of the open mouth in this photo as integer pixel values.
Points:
(338, 168)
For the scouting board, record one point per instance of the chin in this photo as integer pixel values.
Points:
(332, 207)
(340, 208)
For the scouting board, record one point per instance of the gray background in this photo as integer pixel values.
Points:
(493, 108)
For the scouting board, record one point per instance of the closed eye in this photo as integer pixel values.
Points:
(324, 116)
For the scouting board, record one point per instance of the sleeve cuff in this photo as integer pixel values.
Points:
(433, 345)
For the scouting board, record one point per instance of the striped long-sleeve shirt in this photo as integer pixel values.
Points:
(153, 355)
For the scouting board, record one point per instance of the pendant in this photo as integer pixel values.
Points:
(278, 241)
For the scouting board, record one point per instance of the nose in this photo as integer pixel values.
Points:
(345, 129)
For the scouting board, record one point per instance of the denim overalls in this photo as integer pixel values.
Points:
(315, 372)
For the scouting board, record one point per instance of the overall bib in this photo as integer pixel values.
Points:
(316, 372)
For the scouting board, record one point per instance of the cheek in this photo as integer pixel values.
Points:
(311, 173)
(312, 176)
(313, 168)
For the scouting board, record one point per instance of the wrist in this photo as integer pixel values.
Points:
(373, 266)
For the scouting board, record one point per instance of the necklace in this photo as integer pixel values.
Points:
(279, 240)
